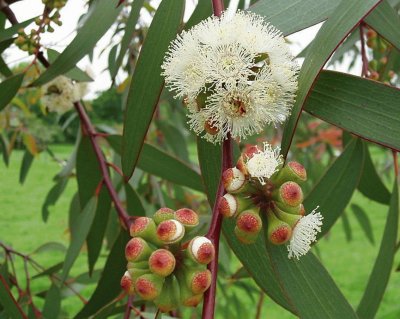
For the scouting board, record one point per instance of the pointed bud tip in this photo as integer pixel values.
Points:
(162, 262)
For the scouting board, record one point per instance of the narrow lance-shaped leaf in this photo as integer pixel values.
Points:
(9, 88)
(147, 81)
(101, 15)
(340, 99)
(364, 222)
(52, 197)
(52, 305)
(346, 16)
(9, 32)
(25, 166)
(380, 274)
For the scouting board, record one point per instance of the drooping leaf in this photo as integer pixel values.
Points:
(147, 81)
(346, 227)
(11, 31)
(9, 88)
(4, 149)
(133, 202)
(109, 284)
(96, 234)
(50, 246)
(100, 17)
(370, 183)
(380, 274)
(8, 301)
(127, 38)
(4, 69)
(340, 99)
(25, 166)
(364, 222)
(87, 171)
(52, 197)
(49, 271)
(335, 188)
(341, 22)
(52, 304)
(83, 223)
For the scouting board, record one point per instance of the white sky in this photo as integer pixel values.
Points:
(63, 35)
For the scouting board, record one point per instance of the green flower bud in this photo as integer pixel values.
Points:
(164, 213)
(201, 250)
(188, 298)
(137, 250)
(138, 264)
(127, 283)
(169, 298)
(198, 281)
(187, 217)
(170, 231)
(145, 228)
(135, 273)
(244, 237)
(149, 286)
(279, 232)
(289, 194)
(296, 210)
(292, 171)
(290, 219)
(231, 205)
(234, 181)
(162, 262)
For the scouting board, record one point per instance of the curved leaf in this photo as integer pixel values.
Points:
(52, 305)
(340, 99)
(8, 301)
(9, 33)
(9, 88)
(147, 82)
(364, 222)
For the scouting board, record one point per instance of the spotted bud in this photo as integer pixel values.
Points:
(164, 213)
(149, 286)
(292, 171)
(127, 283)
(169, 298)
(198, 281)
(137, 250)
(145, 228)
(188, 298)
(187, 217)
(234, 181)
(162, 262)
(230, 205)
(289, 194)
(279, 232)
(249, 222)
(170, 231)
(201, 250)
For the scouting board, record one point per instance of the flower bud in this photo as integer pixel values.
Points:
(201, 250)
(249, 222)
(127, 283)
(244, 237)
(170, 231)
(138, 264)
(188, 298)
(149, 286)
(290, 219)
(187, 217)
(289, 194)
(371, 34)
(234, 181)
(137, 250)
(164, 213)
(169, 298)
(162, 262)
(292, 171)
(135, 273)
(230, 205)
(146, 228)
(198, 280)
(296, 210)
(279, 232)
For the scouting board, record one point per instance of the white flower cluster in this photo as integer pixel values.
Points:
(59, 94)
(235, 74)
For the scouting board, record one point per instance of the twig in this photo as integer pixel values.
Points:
(364, 70)
(128, 307)
(259, 305)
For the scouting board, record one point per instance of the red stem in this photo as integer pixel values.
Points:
(89, 130)
(364, 70)
(4, 283)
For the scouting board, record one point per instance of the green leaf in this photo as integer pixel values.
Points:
(4, 149)
(4, 69)
(9, 88)
(99, 19)
(49, 271)
(8, 301)
(108, 287)
(346, 227)
(340, 99)
(50, 246)
(87, 171)
(133, 202)
(52, 197)
(97, 231)
(25, 166)
(339, 181)
(380, 274)
(174, 139)
(370, 183)
(147, 82)
(290, 16)
(82, 227)
(386, 21)
(202, 11)
(127, 38)
(364, 222)
(75, 73)
(340, 23)
(52, 304)
(9, 33)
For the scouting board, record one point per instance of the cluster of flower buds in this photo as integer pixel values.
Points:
(260, 184)
(162, 266)
(377, 66)
(54, 4)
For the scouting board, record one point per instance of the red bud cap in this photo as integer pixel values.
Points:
(146, 228)
(199, 281)
(298, 170)
(170, 231)
(149, 286)
(290, 194)
(249, 222)
(201, 250)
(162, 262)
(164, 213)
(127, 283)
(137, 250)
(187, 217)
(279, 232)
(234, 180)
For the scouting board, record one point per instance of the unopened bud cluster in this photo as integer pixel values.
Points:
(30, 42)
(260, 184)
(161, 267)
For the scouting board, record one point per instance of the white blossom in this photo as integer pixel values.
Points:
(304, 234)
(59, 94)
(263, 164)
(236, 75)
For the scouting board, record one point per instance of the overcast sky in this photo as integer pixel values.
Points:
(63, 35)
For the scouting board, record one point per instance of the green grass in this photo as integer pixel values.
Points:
(21, 227)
